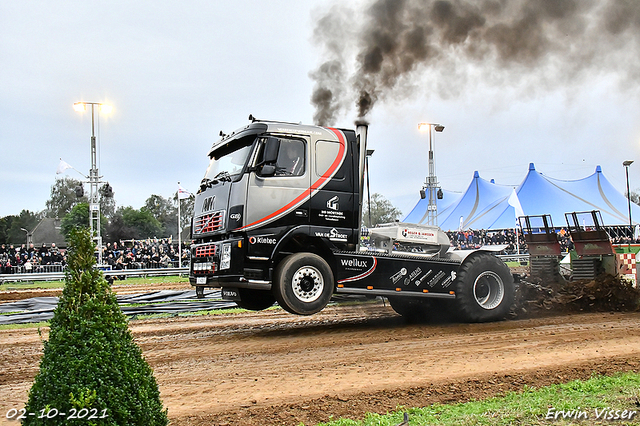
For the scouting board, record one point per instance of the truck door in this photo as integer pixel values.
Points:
(278, 190)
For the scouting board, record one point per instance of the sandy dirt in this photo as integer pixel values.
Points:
(119, 287)
(274, 368)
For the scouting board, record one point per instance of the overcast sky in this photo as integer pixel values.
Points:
(177, 73)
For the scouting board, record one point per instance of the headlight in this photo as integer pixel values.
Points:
(225, 258)
(202, 266)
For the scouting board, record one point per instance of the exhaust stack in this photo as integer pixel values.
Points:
(362, 127)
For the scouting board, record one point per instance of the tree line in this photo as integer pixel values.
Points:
(158, 218)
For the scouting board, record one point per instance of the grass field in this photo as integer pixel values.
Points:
(599, 400)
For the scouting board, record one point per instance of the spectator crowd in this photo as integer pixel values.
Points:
(473, 239)
(29, 258)
(144, 254)
(130, 254)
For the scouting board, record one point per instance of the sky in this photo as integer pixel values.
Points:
(178, 73)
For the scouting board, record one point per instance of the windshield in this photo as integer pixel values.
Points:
(229, 160)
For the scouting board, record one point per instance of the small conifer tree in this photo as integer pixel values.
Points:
(92, 372)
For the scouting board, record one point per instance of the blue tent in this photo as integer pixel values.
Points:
(419, 213)
(485, 205)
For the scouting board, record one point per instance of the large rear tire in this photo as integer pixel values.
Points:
(303, 283)
(255, 300)
(484, 288)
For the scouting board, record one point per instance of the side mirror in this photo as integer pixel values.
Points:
(271, 148)
(268, 170)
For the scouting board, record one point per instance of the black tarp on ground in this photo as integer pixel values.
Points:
(39, 309)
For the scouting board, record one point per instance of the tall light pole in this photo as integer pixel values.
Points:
(432, 182)
(94, 176)
(626, 165)
(29, 236)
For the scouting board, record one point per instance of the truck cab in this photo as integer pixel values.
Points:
(272, 189)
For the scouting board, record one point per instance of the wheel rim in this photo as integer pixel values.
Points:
(307, 284)
(488, 290)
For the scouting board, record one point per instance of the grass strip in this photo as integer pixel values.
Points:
(599, 400)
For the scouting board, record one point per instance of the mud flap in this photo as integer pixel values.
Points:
(229, 293)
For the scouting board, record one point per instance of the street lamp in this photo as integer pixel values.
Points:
(432, 182)
(94, 177)
(626, 165)
(29, 236)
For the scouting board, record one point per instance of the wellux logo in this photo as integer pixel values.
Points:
(354, 263)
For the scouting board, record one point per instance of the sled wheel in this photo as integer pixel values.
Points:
(303, 283)
(410, 309)
(484, 288)
(255, 300)
(422, 310)
(200, 292)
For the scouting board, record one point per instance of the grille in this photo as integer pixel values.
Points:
(209, 222)
(206, 250)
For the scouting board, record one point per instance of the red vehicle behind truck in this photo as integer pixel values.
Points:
(278, 219)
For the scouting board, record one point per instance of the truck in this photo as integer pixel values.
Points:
(277, 218)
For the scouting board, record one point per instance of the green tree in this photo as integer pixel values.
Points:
(63, 197)
(143, 223)
(116, 228)
(5, 225)
(91, 365)
(25, 220)
(382, 211)
(165, 212)
(128, 222)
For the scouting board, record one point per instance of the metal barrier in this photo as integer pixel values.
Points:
(58, 276)
(33, 269)
(514, 257)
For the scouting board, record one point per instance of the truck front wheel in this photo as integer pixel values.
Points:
(303, 283)
(484, 288)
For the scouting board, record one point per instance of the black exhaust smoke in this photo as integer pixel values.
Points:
(401, 45)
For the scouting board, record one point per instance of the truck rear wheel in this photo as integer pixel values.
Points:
(255, 300)
(484, 288)
(303, 283)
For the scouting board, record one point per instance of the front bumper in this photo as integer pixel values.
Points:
(213, 263)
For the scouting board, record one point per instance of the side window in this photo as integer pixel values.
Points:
(326, 154)
(291, 158)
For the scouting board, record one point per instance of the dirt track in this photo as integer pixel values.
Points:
(273, 368)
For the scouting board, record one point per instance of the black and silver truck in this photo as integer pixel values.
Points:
(278, 219)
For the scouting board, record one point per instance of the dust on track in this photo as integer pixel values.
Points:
(273, 368)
